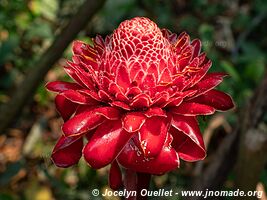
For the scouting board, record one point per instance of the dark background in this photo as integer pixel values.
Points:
(234, 36)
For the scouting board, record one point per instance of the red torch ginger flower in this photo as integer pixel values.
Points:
(135, 97)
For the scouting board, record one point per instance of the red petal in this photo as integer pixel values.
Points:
(87, 79)
(89, 51)
(114, 89)
(134, 69)
(80, 75)
(115, 177)
(84, 67)
(197, 75)
(141, 101)
(71, 72)
(65, 107)
(104, 146)
(196, 47)
(202, 57)
(77, 47)
(108, 112)
(88, 120)
(165, 76)
(192, 109)
(153, 69)
(132, 158)
(186, 56)
(90, 93)
(179, 82)
(161, 99)
(76, 97)
(82, 123)
(153, 134)
(208, 82)
(172, 37)
(216, 99)
(105, 82)
(133, 121)
(85, 61)
(155, 111)
(104, 96)
(81, 48)
(122, 77)
(121, 97)
(99, 44)
(188, 93)
(175, 101)
(149, 81)
(162, 65)
(186, 148)
(133, 91)
(67, 151)
(139, 77)
(194, 64)
(120, 104)
(188, 141)
(182, 41)
(60, 86)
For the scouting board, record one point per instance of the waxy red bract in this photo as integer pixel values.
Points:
(136, 95)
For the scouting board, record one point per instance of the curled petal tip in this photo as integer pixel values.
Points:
(67, 151)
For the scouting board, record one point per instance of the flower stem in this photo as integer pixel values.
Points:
(135, 181)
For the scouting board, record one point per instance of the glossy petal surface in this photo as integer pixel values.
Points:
(133, 121)
(193, 109)
(216, 99)
(67, 151)
(153, 135)
(187, 138)
(88, 120)
(133, 158)
(104, 146)
(115, 177)
(65, 107)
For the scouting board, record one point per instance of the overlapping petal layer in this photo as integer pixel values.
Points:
(135, 97)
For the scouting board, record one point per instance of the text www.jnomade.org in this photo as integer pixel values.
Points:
(170, 193)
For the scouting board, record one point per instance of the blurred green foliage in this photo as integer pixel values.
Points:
(233, 35)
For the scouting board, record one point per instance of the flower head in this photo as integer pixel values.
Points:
(135, 97)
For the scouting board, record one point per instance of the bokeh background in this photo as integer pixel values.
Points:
(234, 36)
